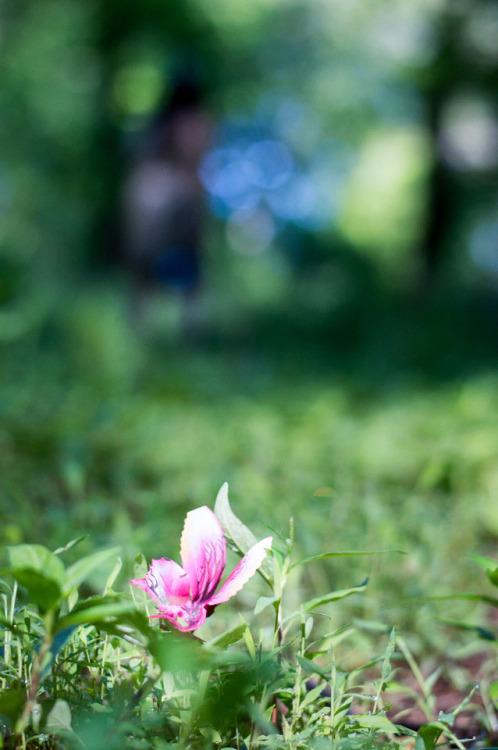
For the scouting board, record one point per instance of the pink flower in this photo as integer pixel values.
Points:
(186, 596)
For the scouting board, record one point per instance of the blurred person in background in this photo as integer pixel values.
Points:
(163, 211)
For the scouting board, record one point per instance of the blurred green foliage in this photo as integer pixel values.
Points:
(118, 442)
(320, 370)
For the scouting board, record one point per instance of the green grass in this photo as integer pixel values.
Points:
(107, 436)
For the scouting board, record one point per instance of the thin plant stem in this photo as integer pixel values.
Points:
(333, 685)
(418, 676)
(36, 673)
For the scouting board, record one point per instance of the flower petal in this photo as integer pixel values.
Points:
(183, 619)
(242, 573)
(203, 551)
(165, 582)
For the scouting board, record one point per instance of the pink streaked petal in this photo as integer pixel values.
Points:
(183, 619)
(165, 582)
(174, 581)
(203, 552)
(141, 583)
(242, 573)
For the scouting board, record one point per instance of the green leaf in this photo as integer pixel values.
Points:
(250, 645)
(483, 633)
(41, 590)
(450, 717)
(59, 719)
(264, 602)
(6, 623)
(96, 614)
(81, 569)
(12, 704)
(228, 638)
(237, 532)
(39, 571)
(326, 555)
(429, 734)
(489, 565)
(140, 566)
(377, 721)
(38, 558)
(175, 652)
(311, 668)
(312, 696)
(493, 692)
(386, 664)
(466, 597)
(334, 596)
(212, 735)
(111, 578)
(69, 545)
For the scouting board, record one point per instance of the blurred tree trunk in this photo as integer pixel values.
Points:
(457, 69)
(441, 78)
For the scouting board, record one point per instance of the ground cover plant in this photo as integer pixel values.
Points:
(337, 366)
(364, 454)
(94, 672)
(397, 460)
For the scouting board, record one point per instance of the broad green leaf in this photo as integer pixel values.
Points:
(237, 532)
(429, 734)
(334, 596)
(133, 626)
(175, 652)
(310, 667)
(264, 602)
(11, 704)
(326, 555)
(39, 571)
(212, 735)
(38, 558)
(81, 569)
(377, 721)
(312, 695)
(61, 638)
(98, 613)
(228, 638)
(489, 565)
(59, 719)
(41, 590)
